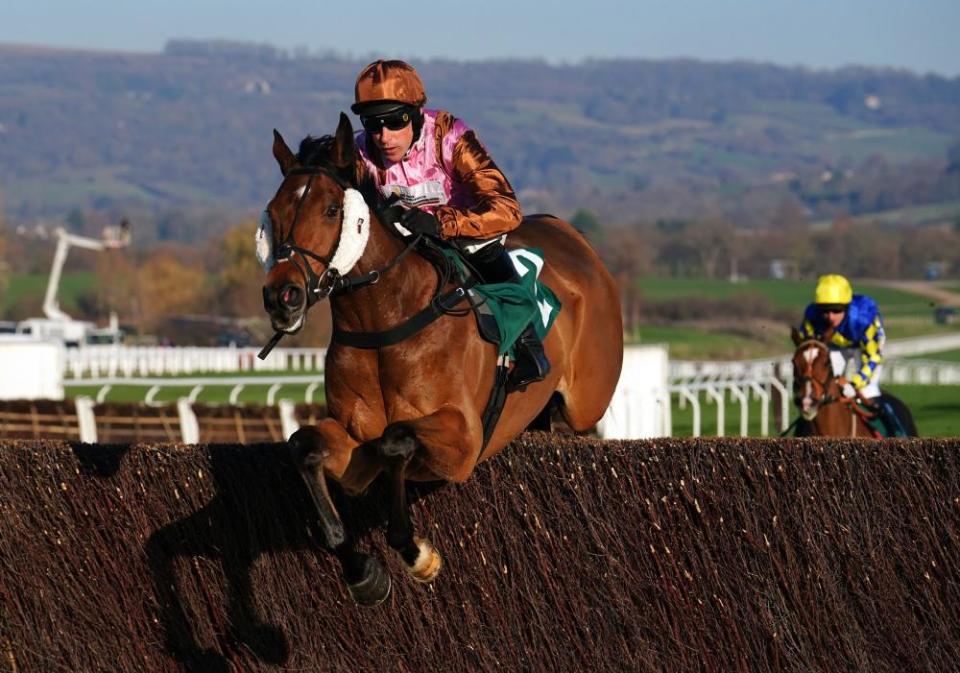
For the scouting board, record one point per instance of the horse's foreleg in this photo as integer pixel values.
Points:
(420, 558)
(327, 449)
(444, 439)
(311, 450)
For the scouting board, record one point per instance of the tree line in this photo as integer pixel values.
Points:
(195, 292)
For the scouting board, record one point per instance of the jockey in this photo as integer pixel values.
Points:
(443, 175)
(848, 323)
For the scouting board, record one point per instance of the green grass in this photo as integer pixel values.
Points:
(909, 216)
(787, 294)
(686, 343)
(907, 327)
(936, 411)
(894, 144)
(251, 394)
(30, 288)
(905, 315)
(682, 419)
(945, 356)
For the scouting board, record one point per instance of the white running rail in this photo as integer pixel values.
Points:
(735, 389)
(196, 385)
(118, 361)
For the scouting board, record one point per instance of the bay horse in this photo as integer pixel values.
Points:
(818, 394)
(412, 409)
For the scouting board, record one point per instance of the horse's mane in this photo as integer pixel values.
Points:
(318, 152)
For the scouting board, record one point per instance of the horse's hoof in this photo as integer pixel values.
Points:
(373, 588)
(427, 566)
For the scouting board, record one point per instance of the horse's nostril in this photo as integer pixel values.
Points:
(291, 296)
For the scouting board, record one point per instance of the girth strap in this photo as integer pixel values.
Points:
(438, 306)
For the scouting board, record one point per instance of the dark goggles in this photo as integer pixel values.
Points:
(831, 308)
(394, 121)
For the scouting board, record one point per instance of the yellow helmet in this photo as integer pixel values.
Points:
(833, 290)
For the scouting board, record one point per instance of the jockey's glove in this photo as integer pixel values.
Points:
(849, 390)
(420, 222)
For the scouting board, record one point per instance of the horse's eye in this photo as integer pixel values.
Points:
(333, 210)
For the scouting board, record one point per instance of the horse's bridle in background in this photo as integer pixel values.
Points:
(807, 376)
(825, 398)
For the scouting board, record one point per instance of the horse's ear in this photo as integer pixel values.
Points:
(796, 336)
(282, 153)
(344, 149)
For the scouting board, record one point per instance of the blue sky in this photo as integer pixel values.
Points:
(920, 35)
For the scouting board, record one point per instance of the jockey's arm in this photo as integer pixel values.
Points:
(495, 210)
(806, 328)
(871, 354)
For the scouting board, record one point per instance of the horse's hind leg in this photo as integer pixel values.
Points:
(315, 450)
(422, 561)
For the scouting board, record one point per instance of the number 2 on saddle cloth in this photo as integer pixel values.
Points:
(504, 310)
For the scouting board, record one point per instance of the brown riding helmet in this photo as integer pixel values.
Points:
(385, 85)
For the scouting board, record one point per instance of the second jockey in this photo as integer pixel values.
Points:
(439, 170)
(850, 323)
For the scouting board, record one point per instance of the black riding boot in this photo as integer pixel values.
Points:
(495, 266)
(888, 416)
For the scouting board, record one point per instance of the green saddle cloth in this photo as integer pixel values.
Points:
(877, 425)
(516, 305)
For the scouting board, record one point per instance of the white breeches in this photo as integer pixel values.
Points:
(838, 358)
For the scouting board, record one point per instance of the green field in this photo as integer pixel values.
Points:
(936, 411)
(687, 343)
(786, 294)
(250, 394)
(944, 356)
(255, 393)
(30, 288)
(905, 315)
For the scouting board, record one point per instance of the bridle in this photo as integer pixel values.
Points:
(317, 287)
(818, 395)
(331, 281)
(824, 397)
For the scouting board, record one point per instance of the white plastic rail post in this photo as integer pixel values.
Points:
(784, 402)
(735, 391)
(687, 396)
(189, 428)
(764, 397)
(148, 399)
(86, 421)
(102, 393)
(288, 420)
(717, 397)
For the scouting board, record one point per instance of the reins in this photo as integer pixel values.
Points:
(853, 403)
(330, 283)
(443, 303)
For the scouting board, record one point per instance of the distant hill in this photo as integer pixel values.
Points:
(627, 139)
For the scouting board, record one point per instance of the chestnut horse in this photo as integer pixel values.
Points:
(818, 394)
(413, 409)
